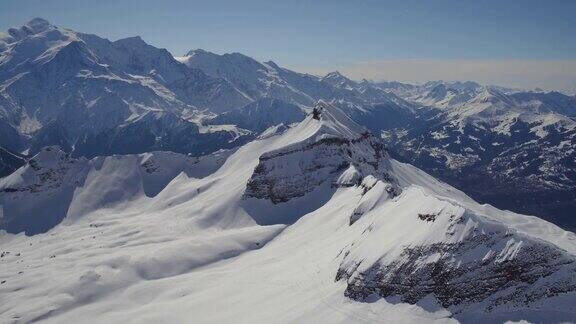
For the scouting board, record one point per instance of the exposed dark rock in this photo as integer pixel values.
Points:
(317, 162)
(427, 217)
(490, 268)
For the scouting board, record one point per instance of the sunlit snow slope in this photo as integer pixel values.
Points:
(315, 224)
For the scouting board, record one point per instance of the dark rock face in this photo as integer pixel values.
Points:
(10, 139)
(491, 268)
(51, 134)
(427, 217)
(472, 282)
(293, 172)
(9, 162)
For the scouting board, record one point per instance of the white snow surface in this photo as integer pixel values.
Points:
(191, 252)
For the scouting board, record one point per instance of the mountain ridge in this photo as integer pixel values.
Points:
(204, 234)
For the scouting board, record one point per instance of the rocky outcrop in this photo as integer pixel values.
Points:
(293, 172)
(475, 265)
(46, 171)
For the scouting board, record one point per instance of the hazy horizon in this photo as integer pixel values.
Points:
(528, 46)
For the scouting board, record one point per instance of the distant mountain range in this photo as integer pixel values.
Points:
(92, 97)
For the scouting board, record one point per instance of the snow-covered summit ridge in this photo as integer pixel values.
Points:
(337, 79)
(324, 123)
(334, 122)
(34, 26)
(324, 152)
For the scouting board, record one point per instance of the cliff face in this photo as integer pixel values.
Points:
(468, 263)
(293, 172)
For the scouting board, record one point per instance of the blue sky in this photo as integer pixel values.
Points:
(375, 39)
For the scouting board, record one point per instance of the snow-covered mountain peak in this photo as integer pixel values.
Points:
(334, 75)
(272, 64)
(199, 51)
(26, 43)
(204, 54)
(195, 51)
(334, 122)
(201, 54)
(226, 65)
(38, 25)
(309, 161)
(337, 79)
(31, 40)
(134, 41)
(33, 27)
(491, 95)
(85, 84)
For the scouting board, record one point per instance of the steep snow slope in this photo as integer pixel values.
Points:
(362, 228)
(54, 187)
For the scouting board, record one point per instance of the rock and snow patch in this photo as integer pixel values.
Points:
(374, 191)
(349, 178)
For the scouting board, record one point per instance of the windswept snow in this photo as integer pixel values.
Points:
(194, 250)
